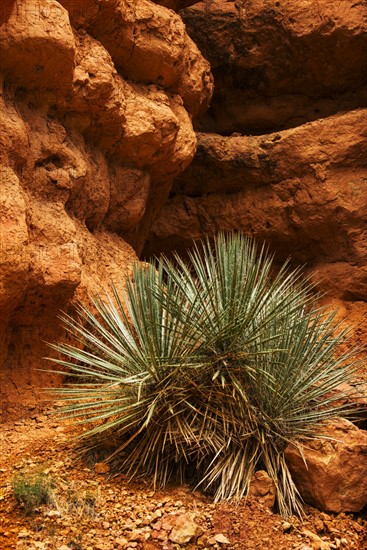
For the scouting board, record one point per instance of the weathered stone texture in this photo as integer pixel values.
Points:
(302, 190)
(282, 151)
(96, 120)
(280, 64)
(332, 474)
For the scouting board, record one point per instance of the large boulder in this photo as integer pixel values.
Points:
(331, 474)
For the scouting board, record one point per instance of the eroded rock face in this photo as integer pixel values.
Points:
(299, 81)
(335, 474)
(302, 190)
(96, 120)
(97, 103)
(280, 64)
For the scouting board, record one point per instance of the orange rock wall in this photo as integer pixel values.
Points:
(97, 100)
(280, 64)
(100, 161)
(282, 151)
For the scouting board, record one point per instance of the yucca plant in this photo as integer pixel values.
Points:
(206, 370)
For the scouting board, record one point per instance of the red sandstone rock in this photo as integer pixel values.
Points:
(96, 107)
(31, 55)
(182, 528)
(280, 64)
(148, 43)
(263, 488)
(335, 474)
(95, 124)
(303, 191)
(14, 235)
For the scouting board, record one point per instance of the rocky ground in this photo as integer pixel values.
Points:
(92, 510)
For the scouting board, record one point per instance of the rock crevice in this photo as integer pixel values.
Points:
(278, 65)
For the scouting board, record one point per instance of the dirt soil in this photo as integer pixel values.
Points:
(96, 511)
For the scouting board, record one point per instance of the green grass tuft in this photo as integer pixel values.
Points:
(31, 491)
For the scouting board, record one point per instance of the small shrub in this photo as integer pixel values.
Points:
(206, 371)
(31, 491)
(80, 502)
